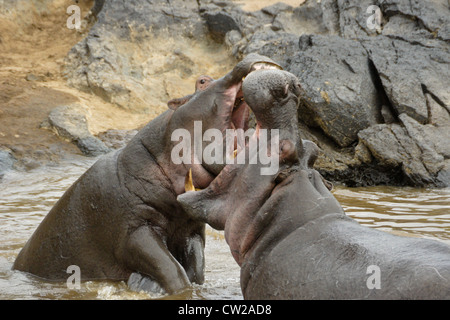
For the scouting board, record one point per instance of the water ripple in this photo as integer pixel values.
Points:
(25, 199)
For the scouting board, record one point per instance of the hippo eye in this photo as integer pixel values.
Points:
(202, 81)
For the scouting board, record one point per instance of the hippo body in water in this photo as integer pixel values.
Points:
(292, 239)
(120, 220)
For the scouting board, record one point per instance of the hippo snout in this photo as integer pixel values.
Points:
(269, 89)
(273, 95)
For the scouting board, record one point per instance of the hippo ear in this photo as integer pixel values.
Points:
(310, 153)
(174, 104)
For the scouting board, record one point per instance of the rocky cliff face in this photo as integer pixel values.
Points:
(376, 96)
(373, 97)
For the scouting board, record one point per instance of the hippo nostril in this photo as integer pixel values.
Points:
(298, 89)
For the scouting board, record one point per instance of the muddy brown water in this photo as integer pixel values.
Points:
(25, 198)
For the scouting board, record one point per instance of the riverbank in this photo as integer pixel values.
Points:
(375, 100)
(26, 198)
(34, 42)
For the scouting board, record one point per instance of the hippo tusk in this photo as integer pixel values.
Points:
(188, 182)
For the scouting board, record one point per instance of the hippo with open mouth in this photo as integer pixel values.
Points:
(291, 237)
(120, 220)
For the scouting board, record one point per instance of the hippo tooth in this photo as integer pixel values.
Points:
(265, 65)
(235, 153)
(258, 127)
(188, 183)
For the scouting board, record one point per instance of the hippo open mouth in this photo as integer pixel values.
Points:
(234, 115)
(218, 115)
(272, 95)
(240, 111)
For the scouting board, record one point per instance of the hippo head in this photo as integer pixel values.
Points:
(273, 97)
(221, 106)
(233, 198)
(242, 201)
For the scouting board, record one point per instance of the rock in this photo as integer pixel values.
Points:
(97, 7)
(117, 139)
(219, 24)
(438, 114)
(33, 77)
(70, 123)
(443, 176)
(429, 18)
(387, 114)
(398, 17)
(6, 161)
(391, 146)
(420, 151)
(117, 58)
(383, 90)
(408, 70)
(432, 141)
(340, 96)
(91, 146)
(375, 99)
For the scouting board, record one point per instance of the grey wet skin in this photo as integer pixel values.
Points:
(323, 254)
(293, 240)
(121, 217)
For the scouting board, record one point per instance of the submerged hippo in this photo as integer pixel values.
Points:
(121, 217)
(293, 240)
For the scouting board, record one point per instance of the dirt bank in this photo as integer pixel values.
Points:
(32, 46)
(34, 41)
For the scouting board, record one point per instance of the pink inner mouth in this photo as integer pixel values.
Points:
(240, 113)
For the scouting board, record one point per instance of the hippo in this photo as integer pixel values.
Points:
(201, 84)
(292, 239)
(120, 220)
